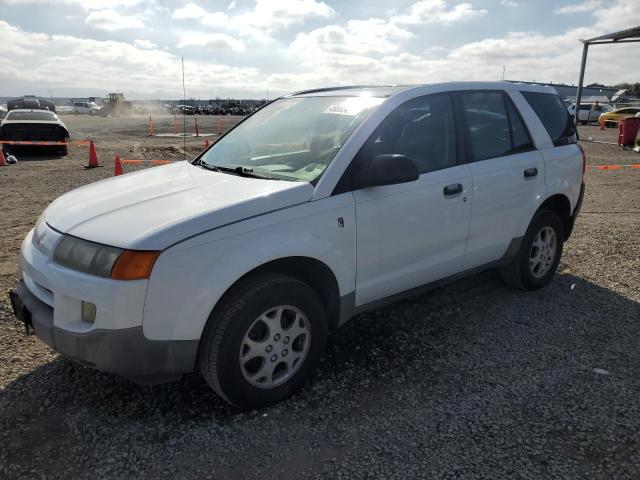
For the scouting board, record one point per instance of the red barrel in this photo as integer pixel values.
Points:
(628, 131)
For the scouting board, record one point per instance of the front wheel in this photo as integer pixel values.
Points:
(537, 259)
(263, 341)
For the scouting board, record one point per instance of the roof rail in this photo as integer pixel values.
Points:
(330, 89)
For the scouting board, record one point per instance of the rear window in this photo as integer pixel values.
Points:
(41, 116)
(554, 117)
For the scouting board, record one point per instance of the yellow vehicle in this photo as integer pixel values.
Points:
(618, 114)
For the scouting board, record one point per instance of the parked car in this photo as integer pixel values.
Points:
(588, 112)
(321, 205)
(186, 109)
(33, 126)
(87, 108)
(618, 114)
(30, 102)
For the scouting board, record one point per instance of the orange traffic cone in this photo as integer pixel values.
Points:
(601, 125)
(152, 131)
(93, 157)
(3, 162)
(118, 167)
(206, 143)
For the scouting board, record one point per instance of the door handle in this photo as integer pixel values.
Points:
(452, 189)
(530, 172)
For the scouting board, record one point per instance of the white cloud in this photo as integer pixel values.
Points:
(343, 51)
(437, 11)
(265, 18)
(85, 4)
(191, 11)
(215, 41)
(510, 3)
(147, 44)
(112, 21)
(188, 12)
(100, 66)
(585, 6)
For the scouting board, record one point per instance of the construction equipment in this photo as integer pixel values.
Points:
(116, 106)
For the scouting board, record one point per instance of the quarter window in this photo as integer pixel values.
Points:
(554, 117)
(423, 129)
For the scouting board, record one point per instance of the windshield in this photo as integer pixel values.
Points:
(41, 115)
(292, 138)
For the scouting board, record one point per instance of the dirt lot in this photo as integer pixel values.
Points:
(473, 380)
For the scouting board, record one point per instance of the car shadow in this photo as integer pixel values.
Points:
(475, 335)
(34, 155)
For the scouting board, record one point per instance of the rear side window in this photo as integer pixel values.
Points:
(554, 117)
(494, 126)
(520, 138)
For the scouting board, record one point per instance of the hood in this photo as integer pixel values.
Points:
(157, 207)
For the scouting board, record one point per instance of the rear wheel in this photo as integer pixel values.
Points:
(537, 260)
(263, 341)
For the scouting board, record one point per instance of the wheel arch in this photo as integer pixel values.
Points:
(309, 270)
(560, 204)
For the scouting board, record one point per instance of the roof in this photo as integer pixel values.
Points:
(623, 36)
(353, 91)
(391, 90)
(32, 110)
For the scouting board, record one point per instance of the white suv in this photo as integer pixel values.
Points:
(319, 206)
(86, 107)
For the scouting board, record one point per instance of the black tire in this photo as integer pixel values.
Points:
(584, 122)
(517, 273)
(219, 354)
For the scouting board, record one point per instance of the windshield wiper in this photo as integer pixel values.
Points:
(233, 169)
(213, 168)
(241, 171)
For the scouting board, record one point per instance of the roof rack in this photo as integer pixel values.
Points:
(330, 89)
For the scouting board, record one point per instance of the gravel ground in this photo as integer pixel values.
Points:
(473, 380)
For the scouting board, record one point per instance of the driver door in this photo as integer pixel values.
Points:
(413, 233)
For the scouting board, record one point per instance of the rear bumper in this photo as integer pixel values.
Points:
(123, 351)
(576, 212)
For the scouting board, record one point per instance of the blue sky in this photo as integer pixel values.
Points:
(242, 48)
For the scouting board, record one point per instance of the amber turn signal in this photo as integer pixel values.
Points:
(134, 265)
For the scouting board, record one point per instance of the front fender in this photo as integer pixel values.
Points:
(190, 277)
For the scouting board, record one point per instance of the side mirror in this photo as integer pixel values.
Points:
(387, 169)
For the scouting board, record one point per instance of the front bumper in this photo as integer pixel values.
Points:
(124, 351)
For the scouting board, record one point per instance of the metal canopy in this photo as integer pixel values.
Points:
(629, 35)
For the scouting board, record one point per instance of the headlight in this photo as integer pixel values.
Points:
(85, 256)
(103, 260)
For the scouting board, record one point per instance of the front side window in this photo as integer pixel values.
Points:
(423, 129)
(292, 138)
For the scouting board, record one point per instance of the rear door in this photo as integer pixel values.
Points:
(507, 171)
(413, 233)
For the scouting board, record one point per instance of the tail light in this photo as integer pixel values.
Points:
(584, 160)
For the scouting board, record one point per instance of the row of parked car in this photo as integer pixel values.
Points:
(209, 109)
(590, 112)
